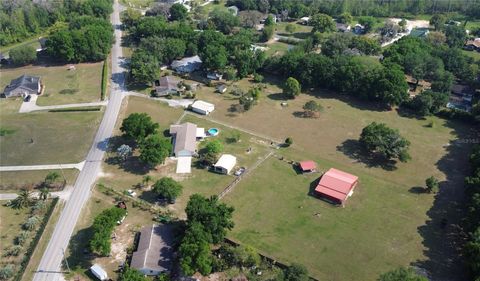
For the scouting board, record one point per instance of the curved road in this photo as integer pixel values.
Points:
(50, 267)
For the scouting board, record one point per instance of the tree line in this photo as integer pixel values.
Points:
(302, 8)
(20, 19)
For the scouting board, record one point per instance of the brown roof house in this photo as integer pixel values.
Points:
(154, 253)
(23, 86)
(166, 85)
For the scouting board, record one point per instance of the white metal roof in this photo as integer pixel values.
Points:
(99, 272)
(203, 105)
(227, 162)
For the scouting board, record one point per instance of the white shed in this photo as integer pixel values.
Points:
(202, 107)
(99, 272)
(225, 164)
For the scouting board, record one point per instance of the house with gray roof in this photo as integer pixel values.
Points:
(187, 65)
(154, 254)
(23, 86)
(167, 85)
(184, 139)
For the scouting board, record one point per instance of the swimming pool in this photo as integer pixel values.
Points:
(213, 131)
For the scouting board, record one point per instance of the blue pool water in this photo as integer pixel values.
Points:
(213, 131)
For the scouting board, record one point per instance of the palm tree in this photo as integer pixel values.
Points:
(23, 200)
(44, 194)
(51, 178)
(147, 179)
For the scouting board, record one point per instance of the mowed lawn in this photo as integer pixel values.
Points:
(202, 181)
(62, 86)
(389, 223)
(375, 232)
(12, 181)
(44, 137)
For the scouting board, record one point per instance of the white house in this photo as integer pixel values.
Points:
(225, 164)
(99, 272)
(202, 107)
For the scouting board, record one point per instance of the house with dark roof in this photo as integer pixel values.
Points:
(166, 85)
(23, 86)
(154, 254)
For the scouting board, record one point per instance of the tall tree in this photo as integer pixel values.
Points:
(291, 88)
(23, 55)
(378, 138)
(194, 250)
(322, 23)
(214, 216)
(168, 188)
(178, 12)
(144, 67)
(154, 149)
(138, 126)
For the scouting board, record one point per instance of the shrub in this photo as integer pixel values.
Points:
(168, 188)
(31, 223)
(104, 79)
(258, 78)
(102, 227)
(288, 141)
(23, 55)
(13, 251)
(21, 238)
(6, 272)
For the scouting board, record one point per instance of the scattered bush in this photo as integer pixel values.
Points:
(168, 188)
(21, 238)
(6, 272)
(288, 141)
(31, 223)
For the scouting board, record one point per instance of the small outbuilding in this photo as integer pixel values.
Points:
(23, 86)
(99, 272)
(307, 166)
(222, 88)
(336, 186)
(225, 164)
(214, 76)
(202, 107)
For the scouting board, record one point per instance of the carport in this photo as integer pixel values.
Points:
(184, 165)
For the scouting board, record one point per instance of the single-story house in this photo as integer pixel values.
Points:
(307, 166)
(214, 76)
(336, 185)
(202, 107)
(233, 9)
(187, 65)
(225, 164)
(461, 97)
(359, 29)
(154, 253)
(304, 20)
(472, 45)
(184, 137)
(419, 32)
(342, 27)
(166, 85)
(222, 88)
(99, 272)
(23, 86)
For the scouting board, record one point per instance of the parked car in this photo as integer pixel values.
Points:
(240, 171)
(27, 98)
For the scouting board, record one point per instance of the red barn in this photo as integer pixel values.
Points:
(307, 166)
(336, 185)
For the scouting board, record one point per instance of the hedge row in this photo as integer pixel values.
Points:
(104, 79)
(34, 243)
(77, 109)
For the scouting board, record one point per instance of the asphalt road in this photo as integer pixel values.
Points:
(50, 267)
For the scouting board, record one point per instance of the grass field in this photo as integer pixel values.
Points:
(57, 137)
(62, 86)
(11, 181)
(385, 190)
(474, 55)
(201, 180)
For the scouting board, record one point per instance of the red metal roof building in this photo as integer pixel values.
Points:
(307, 166)
(336, 185)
